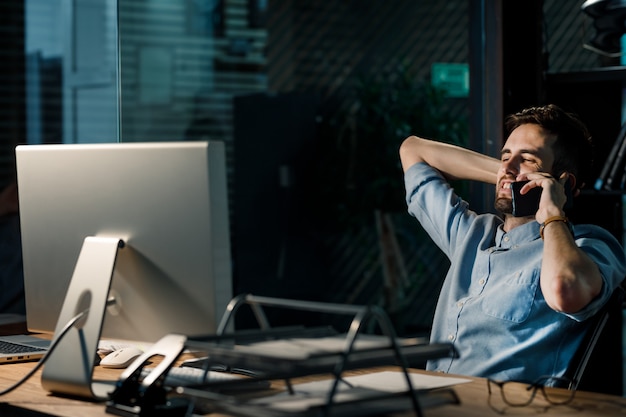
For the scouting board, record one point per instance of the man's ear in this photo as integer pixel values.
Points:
(571, 182)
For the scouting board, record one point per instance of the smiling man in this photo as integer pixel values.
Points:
(519, 289)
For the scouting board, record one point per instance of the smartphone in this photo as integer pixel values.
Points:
(525, 204)
(528, 204)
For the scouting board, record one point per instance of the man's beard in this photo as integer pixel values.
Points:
(503, 205)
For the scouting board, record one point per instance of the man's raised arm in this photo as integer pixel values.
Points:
(452, 161)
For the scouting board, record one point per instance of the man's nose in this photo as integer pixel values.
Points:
(510, 167)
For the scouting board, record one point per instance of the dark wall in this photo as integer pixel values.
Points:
(522, 54)
(274, 244)
(12, 110)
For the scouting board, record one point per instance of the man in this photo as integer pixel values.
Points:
(519, 289)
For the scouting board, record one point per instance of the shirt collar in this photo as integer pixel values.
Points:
(520, 234)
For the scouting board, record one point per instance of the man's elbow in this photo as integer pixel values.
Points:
(570, 298)
(410, 152)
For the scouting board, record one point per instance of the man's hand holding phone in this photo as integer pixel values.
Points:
(527, 204)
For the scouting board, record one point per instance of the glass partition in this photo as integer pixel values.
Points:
(311, 99)
(180, 67)
(71, 71)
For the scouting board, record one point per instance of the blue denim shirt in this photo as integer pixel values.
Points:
(491, 306)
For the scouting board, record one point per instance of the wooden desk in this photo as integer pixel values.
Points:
(31, 400)
(474, 403)
(32, 397)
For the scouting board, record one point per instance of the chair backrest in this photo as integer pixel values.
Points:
(601, 351)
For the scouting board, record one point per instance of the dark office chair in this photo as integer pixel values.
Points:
(600, 352)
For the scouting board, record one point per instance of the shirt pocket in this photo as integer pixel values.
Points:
(511, 297)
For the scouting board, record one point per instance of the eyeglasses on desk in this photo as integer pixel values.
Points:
(515, 395)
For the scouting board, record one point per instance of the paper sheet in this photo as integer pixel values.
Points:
(313, 394)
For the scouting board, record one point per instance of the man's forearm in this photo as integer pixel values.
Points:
(569, 278)
(452, 161)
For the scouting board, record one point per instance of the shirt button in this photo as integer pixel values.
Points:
(450, 337)
(506, 238)
(459, 304)
(481, 281)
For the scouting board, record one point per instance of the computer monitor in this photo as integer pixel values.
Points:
(166, 201)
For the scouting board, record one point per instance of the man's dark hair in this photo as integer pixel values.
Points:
(573, 148)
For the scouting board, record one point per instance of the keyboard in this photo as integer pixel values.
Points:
(8, 347)
(184, 376)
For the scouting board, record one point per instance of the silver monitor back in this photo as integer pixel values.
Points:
(167, 201)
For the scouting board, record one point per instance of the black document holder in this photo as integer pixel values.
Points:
(310, 351)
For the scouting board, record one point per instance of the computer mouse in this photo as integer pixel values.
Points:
(121, 358)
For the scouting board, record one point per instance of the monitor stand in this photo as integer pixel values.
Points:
(69, 367)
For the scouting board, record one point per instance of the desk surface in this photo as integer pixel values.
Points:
(473, 396)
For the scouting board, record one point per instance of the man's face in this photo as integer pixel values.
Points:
(527, 149)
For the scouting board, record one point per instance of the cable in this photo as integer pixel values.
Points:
(54, 344)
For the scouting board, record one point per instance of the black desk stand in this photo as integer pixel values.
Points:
(225, 348)
(134, 396)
